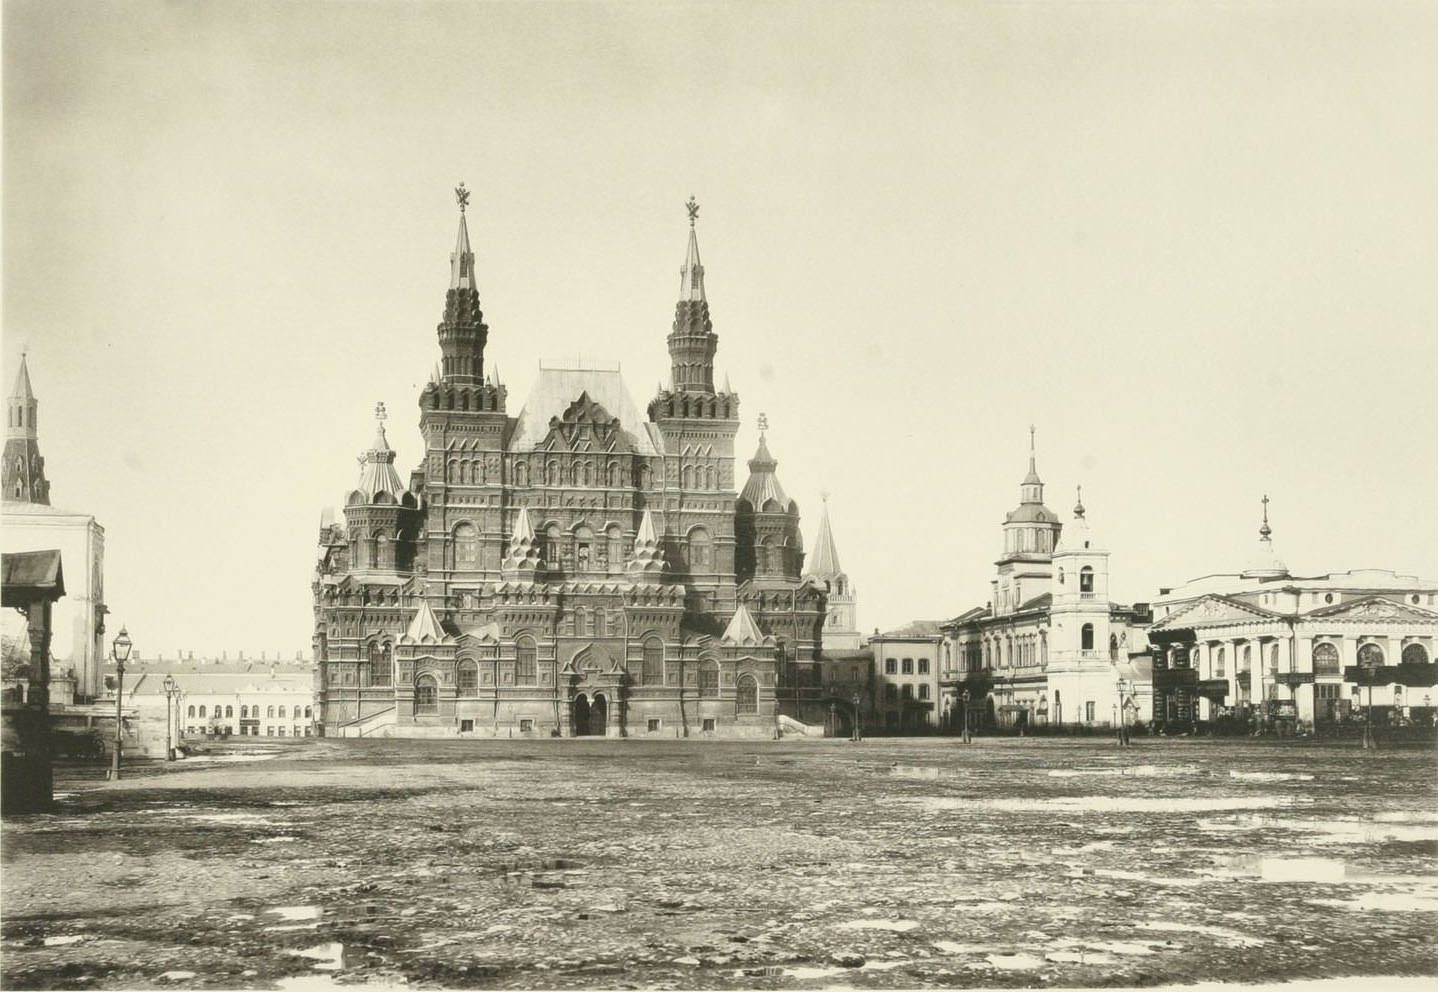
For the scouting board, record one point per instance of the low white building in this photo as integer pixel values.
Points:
(1263, 642)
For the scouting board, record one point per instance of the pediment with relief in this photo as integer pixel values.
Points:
(1214, 611)
(1377, 608)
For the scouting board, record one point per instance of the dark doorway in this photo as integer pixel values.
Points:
(598, 716)
(579, 716)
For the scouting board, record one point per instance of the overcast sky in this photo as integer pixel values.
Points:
(1195, 244)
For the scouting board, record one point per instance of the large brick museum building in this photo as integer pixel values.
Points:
(572, 568)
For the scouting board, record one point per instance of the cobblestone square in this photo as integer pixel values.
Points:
(577, 864)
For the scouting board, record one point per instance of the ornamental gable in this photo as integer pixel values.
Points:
(1376, 608)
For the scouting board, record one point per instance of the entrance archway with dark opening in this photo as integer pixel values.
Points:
(598, 716)
(579, 716)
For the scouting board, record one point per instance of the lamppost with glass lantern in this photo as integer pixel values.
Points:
(1122, 712)
(857, 733)
(171, 691)
(964, 719)
(120, 651)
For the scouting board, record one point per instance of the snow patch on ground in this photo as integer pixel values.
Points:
(897, 926)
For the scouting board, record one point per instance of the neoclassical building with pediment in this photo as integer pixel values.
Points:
(576, 568)
(1314, 649)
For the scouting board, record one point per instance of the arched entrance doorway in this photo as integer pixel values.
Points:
(598, 716)
(579, 716)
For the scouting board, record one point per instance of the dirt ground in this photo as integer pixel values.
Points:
(635, 864)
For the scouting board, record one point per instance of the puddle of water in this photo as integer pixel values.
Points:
(1015, 962)
(1107, 804)
(1407, 816)
(1232, 937)
(1383, 827)
(808, 974)
(327, 957)
(72, 938)
(920, 771)
(1130, 771)
(280, 839)
(175, 976)
(1384, 902)
(1270, 776)
(296, 912)
(1309, 870)
(897, 926)
(1081, 957)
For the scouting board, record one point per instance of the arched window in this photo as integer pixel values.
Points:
(521, 473)
(466, 547)
(581, 621)
(307, 712)
(426, 695)
(269, 711)
(244, 712)
(1086, 579)
(476, 474)
(1415, 654)
(1220, 662)
(1370, 656)
(574, 474)
(654, 661)
(1061, 576)
(614, 475)
(746, 699)
(282, 713)
(1245, 662)
(615, 538)
(709, 678)
(583, 548)
(525, 657)
(191, 712)
(766, 555)
(229, 712)
(202, 711)
(686, 477)
(1273, 657)
(1325, 659)
(380, 667)
(1113, 647)
(467, 678)
(552, 538)
(646, 477)
(701, 549)
(552, 473)
(1086, 637)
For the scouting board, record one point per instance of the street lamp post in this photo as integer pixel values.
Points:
(964, 720)
(170, 692)
(1122, 713)
(833, 719)
(857, 711)
(120, 651)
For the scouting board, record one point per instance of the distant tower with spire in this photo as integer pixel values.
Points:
(692, 342)
(24, 470)
(841, 623)
(770, 547)
(1030, 533)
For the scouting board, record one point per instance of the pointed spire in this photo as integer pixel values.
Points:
(523, 528)
(691, 276)
(1032, 479)
(377, 473)
(646, 564)
(1265, 562)
(646, 535)
(763, 485)
(22, 390)
(825, 561)
(742, 629)
(461, 263)
(425, 625)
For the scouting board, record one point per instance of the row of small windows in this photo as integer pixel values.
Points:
(892, 666)
(581, 549)
(1326, 659)
(246, 712)
(894, 692)
(247, 731)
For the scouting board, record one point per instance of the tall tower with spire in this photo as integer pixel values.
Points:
(841, 623)
(24, 469)
(698, 424)
(1030, 533)
(692, 342)
(462, 332)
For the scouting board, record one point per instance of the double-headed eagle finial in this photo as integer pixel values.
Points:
(693, 207)
(763, 422)
(461, 196)
(379, 412)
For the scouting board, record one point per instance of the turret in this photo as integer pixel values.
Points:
(692, 342)
(382, 516)
(766, 521)
(841, 627)
(462, 332)
(24, 469)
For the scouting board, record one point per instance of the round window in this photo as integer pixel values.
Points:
(1328, 597)
(1414, 599)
